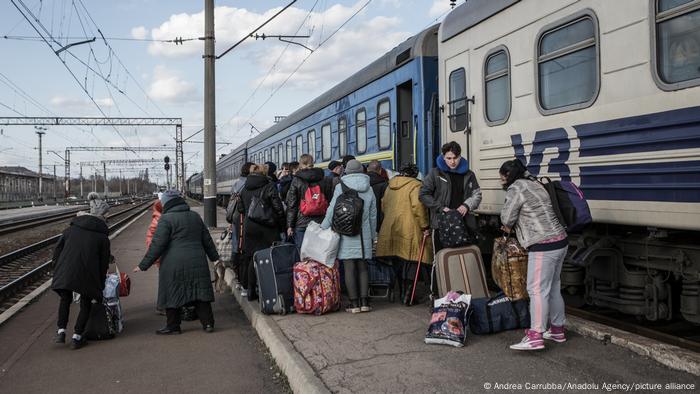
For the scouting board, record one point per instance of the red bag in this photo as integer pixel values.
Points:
(314, 202)
(124, 283)
(316, 288)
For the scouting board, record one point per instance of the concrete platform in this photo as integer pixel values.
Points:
(232, 359)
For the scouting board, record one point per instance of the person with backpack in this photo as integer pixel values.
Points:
(264, 220)
(307, 199)
(352, 213)
(81, 259)
(182, 243)
(528, 210)
(451, 186)
(234, 218)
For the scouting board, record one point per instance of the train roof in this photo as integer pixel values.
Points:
(422, 44)
(469, 14)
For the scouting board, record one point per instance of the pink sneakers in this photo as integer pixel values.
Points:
(532, 341)
(555, 333)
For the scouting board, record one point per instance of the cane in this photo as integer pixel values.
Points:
(420, 258)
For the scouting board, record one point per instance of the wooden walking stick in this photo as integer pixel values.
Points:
(420, 258)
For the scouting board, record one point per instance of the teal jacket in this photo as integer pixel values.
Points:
(350, 246)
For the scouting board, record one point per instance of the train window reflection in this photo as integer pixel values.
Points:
(458, 102)
(678, 43)
(384, 124)
(300, 147)
(567, 66)
(361, 130)
(342, 136)
(311, 137)
(497, 87)
(289, 150)
(326, 141)
(280, 154)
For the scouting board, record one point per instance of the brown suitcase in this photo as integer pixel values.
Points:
(509, 267)
(461, 269)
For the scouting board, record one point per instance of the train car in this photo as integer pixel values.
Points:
(603, 93)
(386, 112)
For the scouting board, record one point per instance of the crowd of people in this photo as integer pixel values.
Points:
(269, 206)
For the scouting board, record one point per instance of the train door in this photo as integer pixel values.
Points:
(456, 128)
(403, 128)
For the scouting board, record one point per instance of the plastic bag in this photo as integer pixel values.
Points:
(111, 286)
(448, 323)
(320, 245)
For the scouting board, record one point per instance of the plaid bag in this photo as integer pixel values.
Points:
(224, 245)
(509, 267)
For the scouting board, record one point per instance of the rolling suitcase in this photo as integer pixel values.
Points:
(381, 280)
(461, 269)
(274, 268)
(101, 323)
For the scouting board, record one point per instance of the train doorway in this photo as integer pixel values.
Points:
(403, 129)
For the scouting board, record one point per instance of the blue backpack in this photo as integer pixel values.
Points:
(569, 204)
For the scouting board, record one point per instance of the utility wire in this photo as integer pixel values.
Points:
(176, 41)
(302, 63)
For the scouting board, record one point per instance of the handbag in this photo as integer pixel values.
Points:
(452, 230)
(124, 283)
(224, 246)
(260, 212)
(509, 267)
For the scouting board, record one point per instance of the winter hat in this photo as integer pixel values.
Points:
(168, 195)
(354, 167)
(93, 196)
(99, 208)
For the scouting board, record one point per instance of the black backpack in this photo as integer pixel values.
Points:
(347, 213)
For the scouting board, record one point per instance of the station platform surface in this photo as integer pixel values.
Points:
(7, 215)
(231, 359)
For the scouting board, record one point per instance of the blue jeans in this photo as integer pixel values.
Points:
(299, 236)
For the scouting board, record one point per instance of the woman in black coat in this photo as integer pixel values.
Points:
(183, 243)
(81, 260)
(258, 236)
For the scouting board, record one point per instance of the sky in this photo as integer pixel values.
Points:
(134, 72)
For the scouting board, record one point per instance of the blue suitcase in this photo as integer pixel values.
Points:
(274, 268)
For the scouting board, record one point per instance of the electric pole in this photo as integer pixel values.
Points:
(120, 182)
(209, 117)
(94, 182)
(104, 171)
(40, 133)
(81, 181)
(54, 182)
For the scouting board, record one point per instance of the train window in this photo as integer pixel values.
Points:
(280, 154)
(497, 86)
(343, 136)
(567, 64)
(311, 137)
(458, 100)
(289, 150)
(326, 141)
(361, 130)
(676, 43)
(384, 124)
(300, 146)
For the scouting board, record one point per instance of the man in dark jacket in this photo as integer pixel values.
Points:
(183, 243)
(286, 180)
(379, 185)
(336, 170)
(306, 177)
(450, 186)
(81, 260)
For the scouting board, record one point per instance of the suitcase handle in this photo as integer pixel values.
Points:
(420, 259)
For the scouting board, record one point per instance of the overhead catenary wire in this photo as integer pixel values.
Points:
(303, 62)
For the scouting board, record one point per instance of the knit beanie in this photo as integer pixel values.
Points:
(99, 208)
(354, 167)
(168, 195)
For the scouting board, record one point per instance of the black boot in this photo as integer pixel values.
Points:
(169, 331)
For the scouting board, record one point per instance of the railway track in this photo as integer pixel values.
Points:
(23, 268)
(682, 334)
